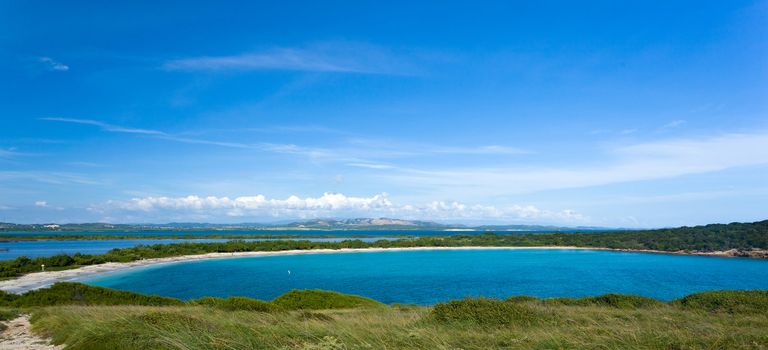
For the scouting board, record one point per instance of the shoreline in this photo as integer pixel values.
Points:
(43, 279)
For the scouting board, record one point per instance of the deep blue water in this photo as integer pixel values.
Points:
(427, 277)
(12, 250)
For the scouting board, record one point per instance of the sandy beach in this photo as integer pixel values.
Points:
(37, 280)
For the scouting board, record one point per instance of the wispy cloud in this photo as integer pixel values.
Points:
(357, 151)
(53, 65)
(628, 131)
(278, 129)
(672, 125)
(41, 204)
(327, 57)
(52, 177)
(368, 165)
(329, 204)
(106, 126)
(13, 152)
(492, 149)
(643, 161)
(8, 153)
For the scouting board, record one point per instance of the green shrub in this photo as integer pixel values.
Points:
(7, 298)
(624, 301)
(487, 312)
(619, 301)
(69, 293)
(6, 315)
(207, 301)
(521, 299)
(308, 315)
(236, 304)
(320, 299)
(730, 301)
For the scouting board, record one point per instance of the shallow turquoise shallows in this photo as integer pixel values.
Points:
(427, 277)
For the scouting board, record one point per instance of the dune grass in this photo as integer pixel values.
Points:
(584, 327)
(87, 317)
(606, 322)
(321, 299)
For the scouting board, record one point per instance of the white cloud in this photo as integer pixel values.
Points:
(673, 124)
(327, 205)
(13, 152)
(41, 204)
(328, 57)
(106, 126)
(57, 178)
(628, 131)
(358, 153)
(53, 65)
(492, 149)
(8, 153)
(643, 161)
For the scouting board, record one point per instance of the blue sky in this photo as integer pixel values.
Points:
(604, 113)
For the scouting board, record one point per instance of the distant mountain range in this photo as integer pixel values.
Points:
(315, 224)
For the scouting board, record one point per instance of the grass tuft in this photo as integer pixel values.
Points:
(729, 301)
(488, 312)
(320, 299)
(236, 304)
(619, 301)
(69, 293)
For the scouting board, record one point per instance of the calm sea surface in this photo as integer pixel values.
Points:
(12, 250)
(31, 249)
(426, 277)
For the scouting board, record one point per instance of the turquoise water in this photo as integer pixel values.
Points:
(32, 249)
(426, 277)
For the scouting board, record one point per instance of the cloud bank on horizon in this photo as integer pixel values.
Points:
(553, 113)
(328, 205)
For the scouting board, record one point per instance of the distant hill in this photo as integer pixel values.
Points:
(366, 223)
(314, 224)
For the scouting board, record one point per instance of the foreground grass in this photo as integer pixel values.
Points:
(591, 327)
(612, 322)
(88, 317)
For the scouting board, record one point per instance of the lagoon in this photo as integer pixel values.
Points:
(31, 249)
(429, 276)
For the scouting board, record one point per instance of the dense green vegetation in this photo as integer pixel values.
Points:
(730, 301)
(609, 322)
(700, 238)
(320, 300)
(621, 301)
(69, 293)
(235, 304)
(489, 312)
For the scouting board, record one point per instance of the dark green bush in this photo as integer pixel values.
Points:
(730, 301)
(8, 314)
(487, 312)
(620, 301)
(69, 293)
(308, 315)
(321, 299)
(624, 301)
(521, 299)
(236, 304)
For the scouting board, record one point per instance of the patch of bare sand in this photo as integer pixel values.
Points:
(19, 336)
